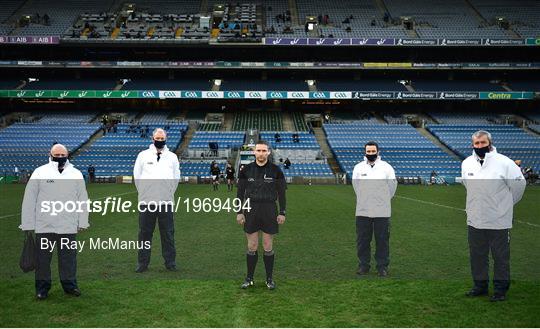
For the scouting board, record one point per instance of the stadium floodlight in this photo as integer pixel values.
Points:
(124, 81)
(310, 82)
(217, 82)
(33, 79)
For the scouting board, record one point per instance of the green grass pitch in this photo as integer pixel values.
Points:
(315, 268)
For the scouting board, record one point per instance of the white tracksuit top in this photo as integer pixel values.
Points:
(492, 190)
(374, 187)
(156, 180)
(47, 184)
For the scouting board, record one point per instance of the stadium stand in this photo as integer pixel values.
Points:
(169, 6)
(199, 169)
(115, 153)
(299, 122)
(62, 118)
(8, 8)
(307, 169)
(61, 15)
(535, 127)
(155, 118)
(241, 22)
(394, 118)
(277, 14)
(366, 22)
(286, 140)
(304, 153)
(444, 19)
(247, 22)
(521, 14)
(225, 140)
(209, 126)
(411, 154)
(266, 120)
(32, 151)
(509, 140)
(465, 118)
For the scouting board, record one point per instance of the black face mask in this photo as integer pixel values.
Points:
(159, 144)
(481, 151)
(61, 160)
(371, 157)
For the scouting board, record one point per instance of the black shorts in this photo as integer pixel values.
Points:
(262, 217)
(230, 177)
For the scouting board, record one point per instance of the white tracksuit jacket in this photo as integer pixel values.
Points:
(47, 184)
(374, 187)
(492, 190)
(156, 180)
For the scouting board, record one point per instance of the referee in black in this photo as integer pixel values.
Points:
(262, 183)
(215, 171)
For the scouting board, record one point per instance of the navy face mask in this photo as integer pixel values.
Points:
(371, 157)
(481, 151)
(159, 144)
(61, 160)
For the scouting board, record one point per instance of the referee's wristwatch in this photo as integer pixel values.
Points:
(282, 213)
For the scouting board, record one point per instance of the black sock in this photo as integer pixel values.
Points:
(269, 263)
(251, 260)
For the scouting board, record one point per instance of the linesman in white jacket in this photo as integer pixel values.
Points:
(56, 182)
(156, 174)
(494, 184)
(375, 184)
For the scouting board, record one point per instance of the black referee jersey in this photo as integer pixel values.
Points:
(262, 185)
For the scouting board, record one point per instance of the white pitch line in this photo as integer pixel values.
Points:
(527, 223)
(431, 203)
(455, 208)
(100, 198)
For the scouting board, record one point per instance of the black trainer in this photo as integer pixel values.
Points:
(498, 297)
(383, 272)
(270, 284)
(248, 282)
(74, 292)
(141, 269)
(362, 270)
(42, 295)
(171, 268)
(476, 292)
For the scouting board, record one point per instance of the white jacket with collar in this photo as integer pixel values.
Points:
(47, 185)
(492, 190)
(375, 187)
(156, 180)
